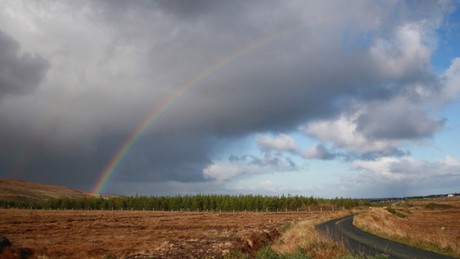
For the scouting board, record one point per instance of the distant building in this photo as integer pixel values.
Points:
(450, 195)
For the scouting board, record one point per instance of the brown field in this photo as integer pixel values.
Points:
(436, 229)
(139, 234)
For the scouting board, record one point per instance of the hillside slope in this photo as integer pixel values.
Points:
(17, 190)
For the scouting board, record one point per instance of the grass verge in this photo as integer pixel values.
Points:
(301, 240)
(418, 230)
(268, 253)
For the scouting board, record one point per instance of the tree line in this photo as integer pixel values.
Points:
(191, 203)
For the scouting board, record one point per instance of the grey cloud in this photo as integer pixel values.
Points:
(235, 158)
(370, 156)
(396, 119)
(299, 87)
(152, 159)
(224, 171)
(183, 8)
(319, 152)
(155, 158)
(179, 8)
(20, 73)
(272, 161)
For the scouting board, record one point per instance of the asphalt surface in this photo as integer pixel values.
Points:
(363, 243)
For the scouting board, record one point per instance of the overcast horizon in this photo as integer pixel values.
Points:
(316, 98)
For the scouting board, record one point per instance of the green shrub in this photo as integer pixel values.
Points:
(434, 206)
(235, 254)
(397, 213)
(298, 254)
(379, 256)
(391, 210)
(286, 226)
(268, 253)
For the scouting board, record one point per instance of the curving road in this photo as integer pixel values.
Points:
(360, 242)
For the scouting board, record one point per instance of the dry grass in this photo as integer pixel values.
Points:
(302, 235)
(17, 190)
(126, 234)
(435, 230)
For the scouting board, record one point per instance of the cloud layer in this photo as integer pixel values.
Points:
(77, 78)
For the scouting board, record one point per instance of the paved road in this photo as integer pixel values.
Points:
(360, 242)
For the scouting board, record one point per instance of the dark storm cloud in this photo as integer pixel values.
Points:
(290, 93)
(43, 161)
(155, 158)
(179, 8)
(183, 8)
(20, 73)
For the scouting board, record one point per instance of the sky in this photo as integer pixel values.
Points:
(163, 97)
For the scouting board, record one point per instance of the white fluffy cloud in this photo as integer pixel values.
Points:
(281, 142)
(406, 52)
(404, 109)
(224, 171)
(408, 169)
(267, 185)
(451, 80)
(403, 176)
(343, 133)
(407, 113)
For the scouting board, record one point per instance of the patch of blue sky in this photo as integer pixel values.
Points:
(448, 136)
(448, 41)
(443, 143)
(448, 47)
(311, 179)
(235, 147)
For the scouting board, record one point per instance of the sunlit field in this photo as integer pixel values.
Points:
(428, 224)
(147, 234)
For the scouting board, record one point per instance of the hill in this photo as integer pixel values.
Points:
(18, 190)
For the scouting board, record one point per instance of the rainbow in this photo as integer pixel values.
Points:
(117, 158)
